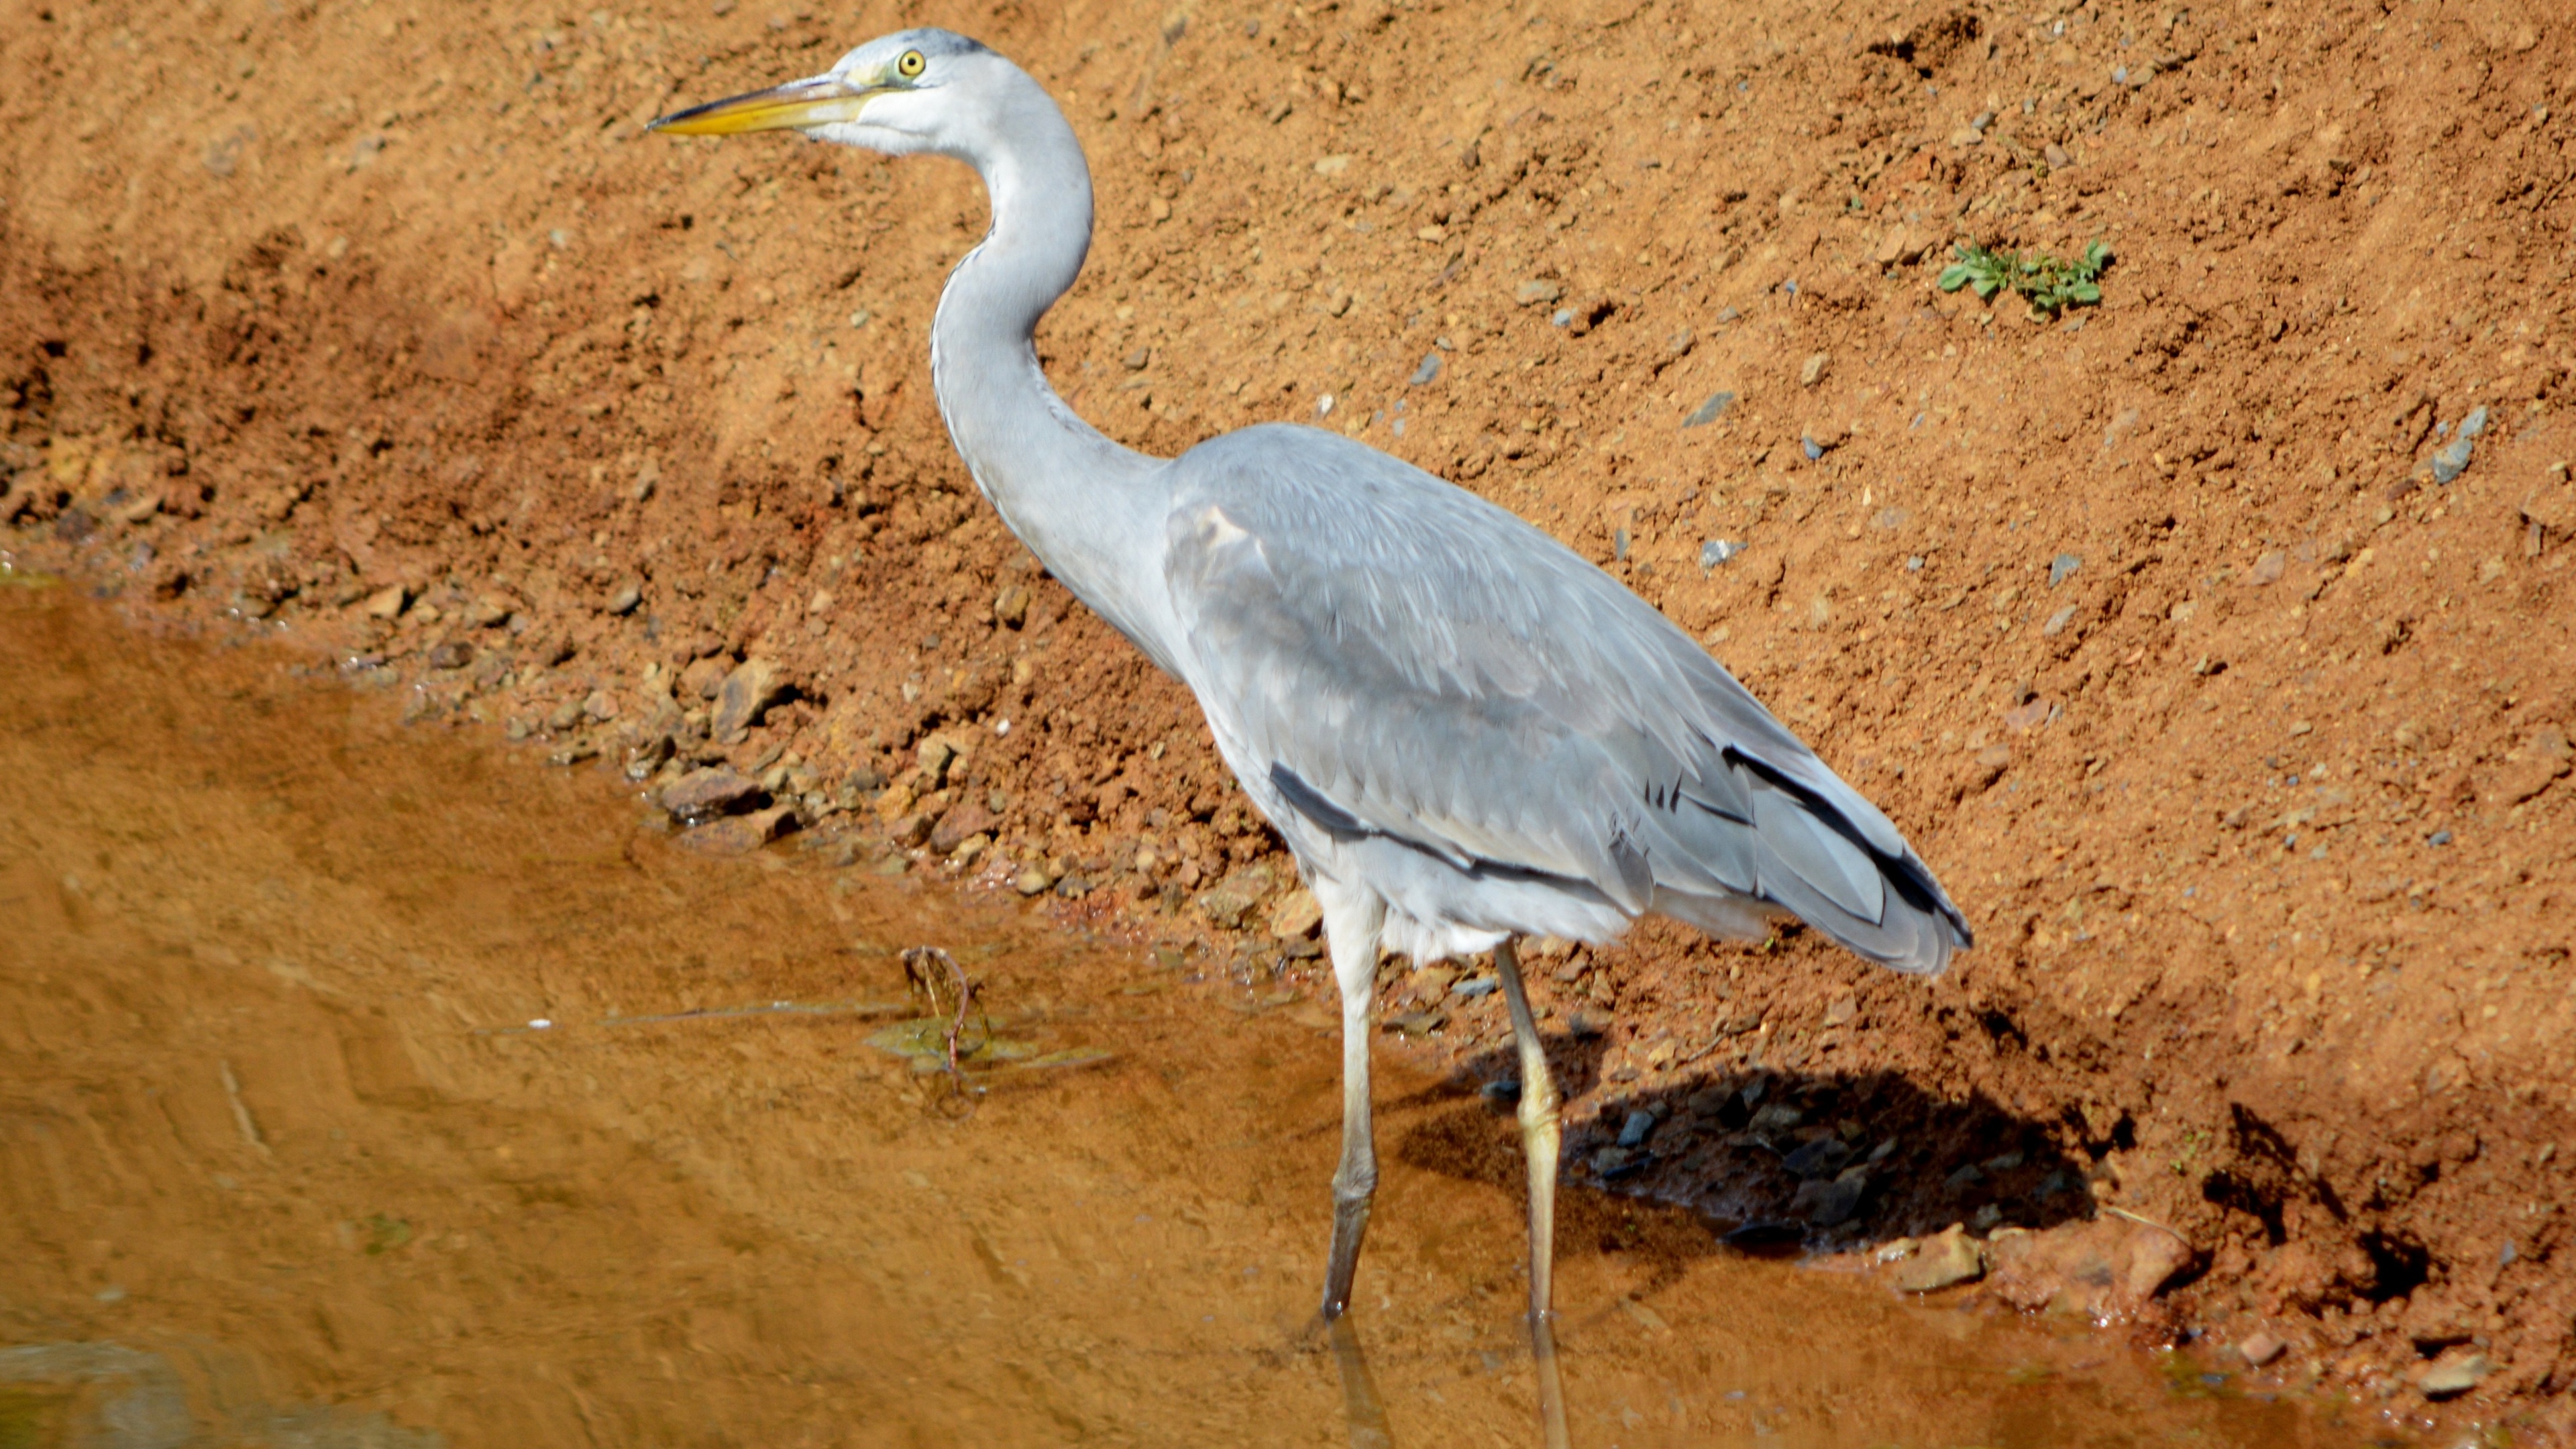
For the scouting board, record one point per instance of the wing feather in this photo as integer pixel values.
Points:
(1427, 667)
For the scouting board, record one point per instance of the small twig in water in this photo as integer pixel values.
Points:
(936, 975)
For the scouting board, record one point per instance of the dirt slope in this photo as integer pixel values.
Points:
(2241, 738)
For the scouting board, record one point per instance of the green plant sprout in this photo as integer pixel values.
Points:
(2048, 283)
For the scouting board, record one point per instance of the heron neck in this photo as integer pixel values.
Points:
(1086, 506)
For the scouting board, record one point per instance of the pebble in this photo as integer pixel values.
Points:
(2260, 1348)
(1032, 882)
(1717, 551)
(1562, 317)
(1950, 1257)
(2057, 622)
(387, 602)
(742, 834)
(2056, 156)
(1537, 292)
(1831, 1203)
(1813, 449)
(1502, 1091)
(1821, 1158)
(625, 599)
(2456, 1372)
(1481, 986)
(704, 795)
(2474, 424)
(2438, 837)
(1813, 370)
(1428, 371)
(2452, 459)
(2062, 568)
(746, 694)
(1778, 1117)
(454, 654)
(1709, 411)
(1639, 1126)
(1296, 916)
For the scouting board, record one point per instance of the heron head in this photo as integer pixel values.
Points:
(914, 90)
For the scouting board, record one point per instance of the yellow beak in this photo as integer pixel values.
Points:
(794, 106)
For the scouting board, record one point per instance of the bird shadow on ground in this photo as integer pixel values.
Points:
(1757, 1159)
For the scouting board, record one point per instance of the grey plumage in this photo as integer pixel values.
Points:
(1387, 658)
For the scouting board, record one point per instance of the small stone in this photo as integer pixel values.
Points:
(1829, 1203)
(1609, 1160)
(1778, 1117)
(2261, 1348)
(1813, 370)
(1986, 1218)
(625, 599)
(1032, 881)
(2062, 568)
(2268, 569)
(742, 834)
(2057, 622)
(1898, 248)
(2456, 1372)
(1011, 606)
(2474, 424)
(747, 694)
(1709, 411)
(702, 679)
(1967, 1176)
(959, 825)
(2452, 459)
(1135, 361)
(600, 705)
(1537, 292)
(1428, 371)
(1562, 317)
(2056, 156)
(1225, 903)
(454, 654)
(704, 795)
(488, 613)
(1808, 445)
(1296, 916)
(1679, 343)
(565, 716)
(1639, 1126)
(1717, 551)
(1821, 1158)
(1502, 1091)
(386, 603)
(1949, 1258)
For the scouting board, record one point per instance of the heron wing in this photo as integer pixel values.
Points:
(1395, 656)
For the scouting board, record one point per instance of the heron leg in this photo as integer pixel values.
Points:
(1539, 1144)
(1355, 1181)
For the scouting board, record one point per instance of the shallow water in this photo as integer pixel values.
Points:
(285, 1162)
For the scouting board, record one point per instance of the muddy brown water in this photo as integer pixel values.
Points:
(287, 1163)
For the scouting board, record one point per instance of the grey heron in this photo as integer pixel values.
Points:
(1465, 732)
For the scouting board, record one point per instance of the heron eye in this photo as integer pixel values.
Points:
(910, 65)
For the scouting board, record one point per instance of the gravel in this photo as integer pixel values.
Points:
(1428, 371)
(625, 599)
(1717, 551)
(2062, 568)
(1639, 1126)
